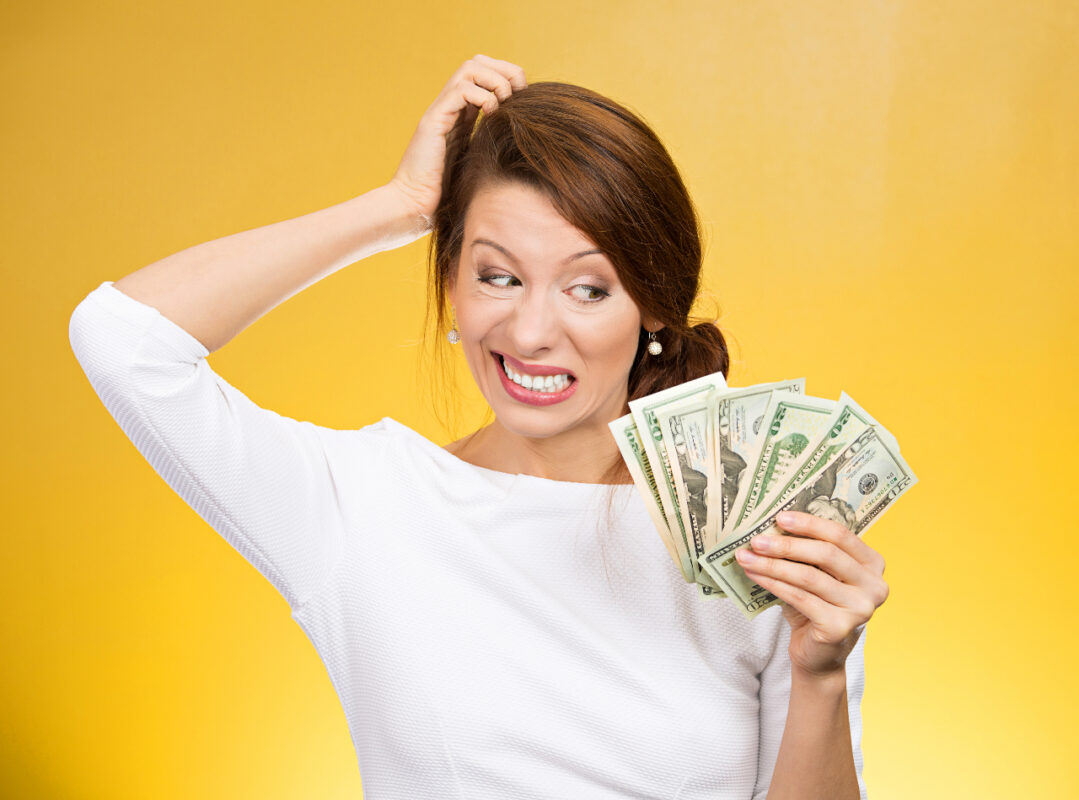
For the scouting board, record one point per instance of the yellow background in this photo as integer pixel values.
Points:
(890, 195)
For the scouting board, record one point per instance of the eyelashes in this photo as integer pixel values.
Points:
(493, 280)
(593, 293)
(583, 293)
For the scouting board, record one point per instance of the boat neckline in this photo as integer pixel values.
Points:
(456, 462)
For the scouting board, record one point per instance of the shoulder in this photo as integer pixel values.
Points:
(378, 445)
(400, 461)
(362, 460)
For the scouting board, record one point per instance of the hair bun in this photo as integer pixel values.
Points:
(707, 343)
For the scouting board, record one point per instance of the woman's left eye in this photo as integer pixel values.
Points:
(589, 294)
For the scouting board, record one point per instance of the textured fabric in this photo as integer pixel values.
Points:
(489, 635)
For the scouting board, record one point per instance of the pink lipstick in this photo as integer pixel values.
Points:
(530, 396)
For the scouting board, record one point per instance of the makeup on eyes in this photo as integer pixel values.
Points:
(495, 278)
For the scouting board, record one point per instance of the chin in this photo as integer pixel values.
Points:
(535, 423)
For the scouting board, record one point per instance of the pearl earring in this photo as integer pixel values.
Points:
(453, 336)
(654, 347)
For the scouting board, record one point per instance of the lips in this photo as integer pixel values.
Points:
(532, 369)
(534, 384)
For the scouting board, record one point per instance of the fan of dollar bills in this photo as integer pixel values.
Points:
(716, 464)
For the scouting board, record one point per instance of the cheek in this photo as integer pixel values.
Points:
(475, 317)
(611, 343)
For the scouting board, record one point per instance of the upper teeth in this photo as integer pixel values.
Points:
(538, 383)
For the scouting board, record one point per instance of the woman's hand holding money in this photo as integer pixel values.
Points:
(831, 581)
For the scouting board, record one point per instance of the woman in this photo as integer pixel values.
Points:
(498, 616)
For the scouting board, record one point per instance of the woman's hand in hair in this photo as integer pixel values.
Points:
(480, 83)
(830, 580)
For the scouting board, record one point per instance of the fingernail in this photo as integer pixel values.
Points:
(763, 542)
(786, 518)
(746, 556)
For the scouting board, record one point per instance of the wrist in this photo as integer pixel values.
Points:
(831, 683)
(379, 220)
(405, 213)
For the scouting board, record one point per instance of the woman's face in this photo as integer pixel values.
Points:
(548, 330)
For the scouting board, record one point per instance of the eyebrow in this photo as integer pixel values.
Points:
(510, 255)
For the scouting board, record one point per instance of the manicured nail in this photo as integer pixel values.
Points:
(746, 556)
(763, 542)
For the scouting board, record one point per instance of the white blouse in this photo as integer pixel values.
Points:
(489, 635)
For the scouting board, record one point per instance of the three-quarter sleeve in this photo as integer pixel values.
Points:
(775, 692)
(263, 481)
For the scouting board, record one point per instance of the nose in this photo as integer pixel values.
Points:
(533, 324)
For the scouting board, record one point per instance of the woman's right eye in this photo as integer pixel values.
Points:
(499, 280)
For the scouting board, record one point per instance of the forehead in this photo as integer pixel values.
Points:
(524, 222)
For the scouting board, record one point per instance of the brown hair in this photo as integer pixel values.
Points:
(604, 170)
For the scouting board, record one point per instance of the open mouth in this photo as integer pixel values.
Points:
(537, 385)
(548, 384)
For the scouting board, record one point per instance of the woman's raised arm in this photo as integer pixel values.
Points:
(266, 482)
(216, 289)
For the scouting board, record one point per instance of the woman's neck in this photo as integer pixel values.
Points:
(579, 456)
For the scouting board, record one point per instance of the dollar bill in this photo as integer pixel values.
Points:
(845, 425)
(630, 446)
(854, 489)
(789, 424)
(736, 416)
(686, 437)
(644, 411)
